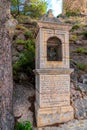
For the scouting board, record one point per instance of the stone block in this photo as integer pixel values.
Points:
(49, 100)
(53, 115)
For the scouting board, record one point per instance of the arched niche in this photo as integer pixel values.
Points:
(54, 49)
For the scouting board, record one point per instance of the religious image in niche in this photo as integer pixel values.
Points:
(52, 53)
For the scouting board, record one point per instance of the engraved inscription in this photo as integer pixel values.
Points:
(54, 90)
(54, 83)
(60, 32)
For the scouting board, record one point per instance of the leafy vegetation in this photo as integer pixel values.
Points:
(21, 27)
(84, 33)
(81, 50)
(28, 34)
(75, 27)
(16, 6)
(82, 66)
(26, 60)
(72, 13)
(73, 37)
(36, 8)
(20, 41)
(32, 8)
(23, 126)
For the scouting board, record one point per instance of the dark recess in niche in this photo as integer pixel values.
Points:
(54, 49)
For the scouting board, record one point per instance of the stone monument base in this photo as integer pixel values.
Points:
(53, 115)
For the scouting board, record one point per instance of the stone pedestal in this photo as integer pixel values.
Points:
(53, 96)
(53, 115)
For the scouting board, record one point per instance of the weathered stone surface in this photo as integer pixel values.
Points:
(80, 106)
(20, 48)
(53, 115)
(10, 26)
(73, 125)
(78, 42)
(49, 17)
(21, 103)
(15, 59)
(82, 87)
(53, 91)
(21, 36)
(83, 78)
(56, 71)
(79, 100)
(76, 5)
(7, 25)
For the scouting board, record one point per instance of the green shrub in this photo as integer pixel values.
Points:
(26, 19)
(28, 34)
(81, 66)
(86, 82)
(75, 27)
(73, 37)
(72, 13)
(20, 41)
(34, 23)
(81, 50)
(23, 19)
(84, 33)
(27, 59)
(21, 27)
(23, 126)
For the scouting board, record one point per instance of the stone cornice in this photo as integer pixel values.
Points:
(61, 26)
(54, 71)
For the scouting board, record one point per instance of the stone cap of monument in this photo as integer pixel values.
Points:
(49, 17)
(50, 22)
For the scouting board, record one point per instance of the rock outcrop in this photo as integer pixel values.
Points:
(76, 5)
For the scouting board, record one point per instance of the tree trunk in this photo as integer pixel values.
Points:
(6, 83)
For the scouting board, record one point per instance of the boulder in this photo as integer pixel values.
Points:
(78, 42)
(20, 48)
(15, 59)
(83, 79)
(82, 87)
(21, 36)
(80, 107)
(79, 100)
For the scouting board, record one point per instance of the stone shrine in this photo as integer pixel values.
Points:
(52, 103)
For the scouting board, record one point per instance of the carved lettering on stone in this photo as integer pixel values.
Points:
(52, 91)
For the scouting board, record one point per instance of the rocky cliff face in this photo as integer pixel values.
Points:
(76, 5)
